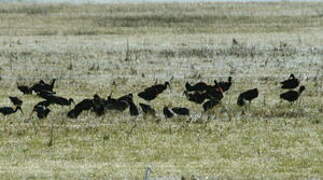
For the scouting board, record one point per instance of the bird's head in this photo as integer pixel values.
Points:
(71, 100)
(167, 84)
(301, 89)
(19, 108)
(230, 79)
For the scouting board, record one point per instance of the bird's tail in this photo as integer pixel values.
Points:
(240, 101)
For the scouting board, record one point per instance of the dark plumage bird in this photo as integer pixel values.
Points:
(24, 89)
(290, 83)
(196, 97)
(225, 85)
(98, 105)
(181, 111)
(9, 110)
(200, 86)
(291, 95)
(215, 92)
(167, 112)
(15, 101)
(84, 105)
(116, 104)
(147, 109)
(248, 95)
(58, 100)
(43, 103)
(42, 86)
(128, 98)
(152, 92)
(210, 104)
(42, 111)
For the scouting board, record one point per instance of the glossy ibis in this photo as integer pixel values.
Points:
(225, 86)
(15, 101)
(84, 105)
(167, 112)
(147, 109)
(248, 95)
(9, 110)
(152, 92)
(290, 83)
(210, 104)
(42, 111)
(196, 97)
(128, 98)
(116, 104)
(24, 89)
(52, 99)
(42, 86)
(98, 105)
(292, 95)
(214, 92)
(200, 86)
(181, 111)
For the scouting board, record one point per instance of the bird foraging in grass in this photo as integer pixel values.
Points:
(152, 92)
(9, 110)
(248, 95)
(290, 83)
(181, 111)
(292, 95)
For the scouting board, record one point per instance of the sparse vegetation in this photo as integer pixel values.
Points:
(90, 47)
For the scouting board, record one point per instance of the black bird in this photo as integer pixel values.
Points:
(98, 105)
(116, 104)
(58, 100)
(225, 85)
(84, 105)
(45, 94)
(24, 89)
(248, 95)
(215, 92)
(43, 103)
(200, 86)
(152, 92)
(290, 83)
(42, 111)
(133, 109)
(210, 104)
(147, 109)
(128, 98)
(291, 95)
(9, 110)
(196, 97)
(181, 111)
(167, 112)
(15, 101)
(42, 86)
(74, 113)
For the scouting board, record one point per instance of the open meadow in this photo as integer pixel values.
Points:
(123, 48)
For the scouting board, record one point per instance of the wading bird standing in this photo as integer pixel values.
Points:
(152, 92)
(248, 95)
(9, 110)
(290, 83)
(292, 95)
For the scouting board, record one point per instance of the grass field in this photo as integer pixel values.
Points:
(87, 47)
